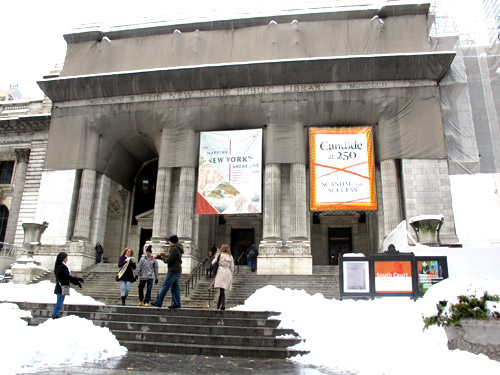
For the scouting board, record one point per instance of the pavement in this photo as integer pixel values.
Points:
(135, 363)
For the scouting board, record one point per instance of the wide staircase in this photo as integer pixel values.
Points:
(101, 285)
(186, 330)
(197, 328)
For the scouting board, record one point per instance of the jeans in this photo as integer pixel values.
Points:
(98, 257)
(149, 286)
(172, 280)
(58, 306)
(124, 288)
(251, 263)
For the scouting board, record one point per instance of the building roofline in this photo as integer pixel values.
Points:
(302, 15)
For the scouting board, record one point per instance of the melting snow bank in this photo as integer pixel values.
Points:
(67, 341)
(365, 337)
(42, 292)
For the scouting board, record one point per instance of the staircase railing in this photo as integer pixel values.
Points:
(211, 293)
(238, 262)
(193, 278)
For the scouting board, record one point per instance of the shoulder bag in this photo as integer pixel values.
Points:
(216, 266)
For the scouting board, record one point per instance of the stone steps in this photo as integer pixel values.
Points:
(100, 284)
(186, 330)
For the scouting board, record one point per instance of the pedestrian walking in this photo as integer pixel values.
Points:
(146, 272)
(252, 255)
(224, 277)
(125, 276)
(208, 264)
(174, 270)
(63, 279)
(98, 252)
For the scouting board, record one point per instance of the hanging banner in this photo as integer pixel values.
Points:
(230, 172)
(342, 169)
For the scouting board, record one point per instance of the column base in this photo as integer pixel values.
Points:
(292, 258)
(26, 269)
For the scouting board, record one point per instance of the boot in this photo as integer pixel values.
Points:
(123, 300)
(223, 303)
(219, 302)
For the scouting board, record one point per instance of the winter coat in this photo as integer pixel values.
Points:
(208, 262)
(224, 277)
(174, 258)
(147, 269)
(252, 253)
(99, 249)
(129, 272)
(63, 277)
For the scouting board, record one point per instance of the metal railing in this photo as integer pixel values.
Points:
(8, 250)
(238, 262)
(211, 293)
(193, 278)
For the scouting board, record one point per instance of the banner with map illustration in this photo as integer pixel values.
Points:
(342, 169)
(230, 172)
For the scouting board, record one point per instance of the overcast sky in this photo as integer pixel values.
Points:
(32, 38)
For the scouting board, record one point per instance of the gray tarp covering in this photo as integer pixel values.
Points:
(301, 40)
(407, 121)
(407, 124)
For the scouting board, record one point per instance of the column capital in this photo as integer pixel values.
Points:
(22, 154)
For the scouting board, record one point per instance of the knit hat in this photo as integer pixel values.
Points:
(149, 249)
(173, 239)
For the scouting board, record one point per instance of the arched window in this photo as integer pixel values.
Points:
(4, 217)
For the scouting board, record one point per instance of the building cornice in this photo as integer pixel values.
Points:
(162, 27)
(363, 68)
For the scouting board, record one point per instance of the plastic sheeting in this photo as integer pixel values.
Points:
(291, 40)
(407, 124)
(470, 98)
(123, 135)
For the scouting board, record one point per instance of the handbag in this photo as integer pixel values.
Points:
(65, 290)
(216, 266)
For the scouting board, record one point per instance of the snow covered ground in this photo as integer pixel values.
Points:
(381, 336)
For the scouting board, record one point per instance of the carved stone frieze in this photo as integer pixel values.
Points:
(277, 248)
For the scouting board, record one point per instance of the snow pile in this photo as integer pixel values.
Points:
(61, 342)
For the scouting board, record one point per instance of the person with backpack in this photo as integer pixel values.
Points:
(252, 254)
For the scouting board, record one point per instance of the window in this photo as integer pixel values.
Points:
(4, 217)
(6, 169)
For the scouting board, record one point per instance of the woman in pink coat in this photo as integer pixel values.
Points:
(224, 277)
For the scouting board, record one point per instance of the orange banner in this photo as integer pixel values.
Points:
(393, 277)
(342, 169)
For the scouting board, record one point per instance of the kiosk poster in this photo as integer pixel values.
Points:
(230, 172)
(342, 169)
(356, 277)
(393, 277)
(430, 272)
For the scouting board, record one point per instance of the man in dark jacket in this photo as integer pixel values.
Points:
(174, 261)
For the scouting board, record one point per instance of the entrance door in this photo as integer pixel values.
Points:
(241, 239)
(339, 242)
(146, 235)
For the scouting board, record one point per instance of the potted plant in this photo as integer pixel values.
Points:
(471, 322)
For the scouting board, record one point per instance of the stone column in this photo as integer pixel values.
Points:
(272, 208)
(100, 211)
(391, 195)
(186, 204)
(162, 202)
(22, 157)
(298, 203)
(84, 209)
